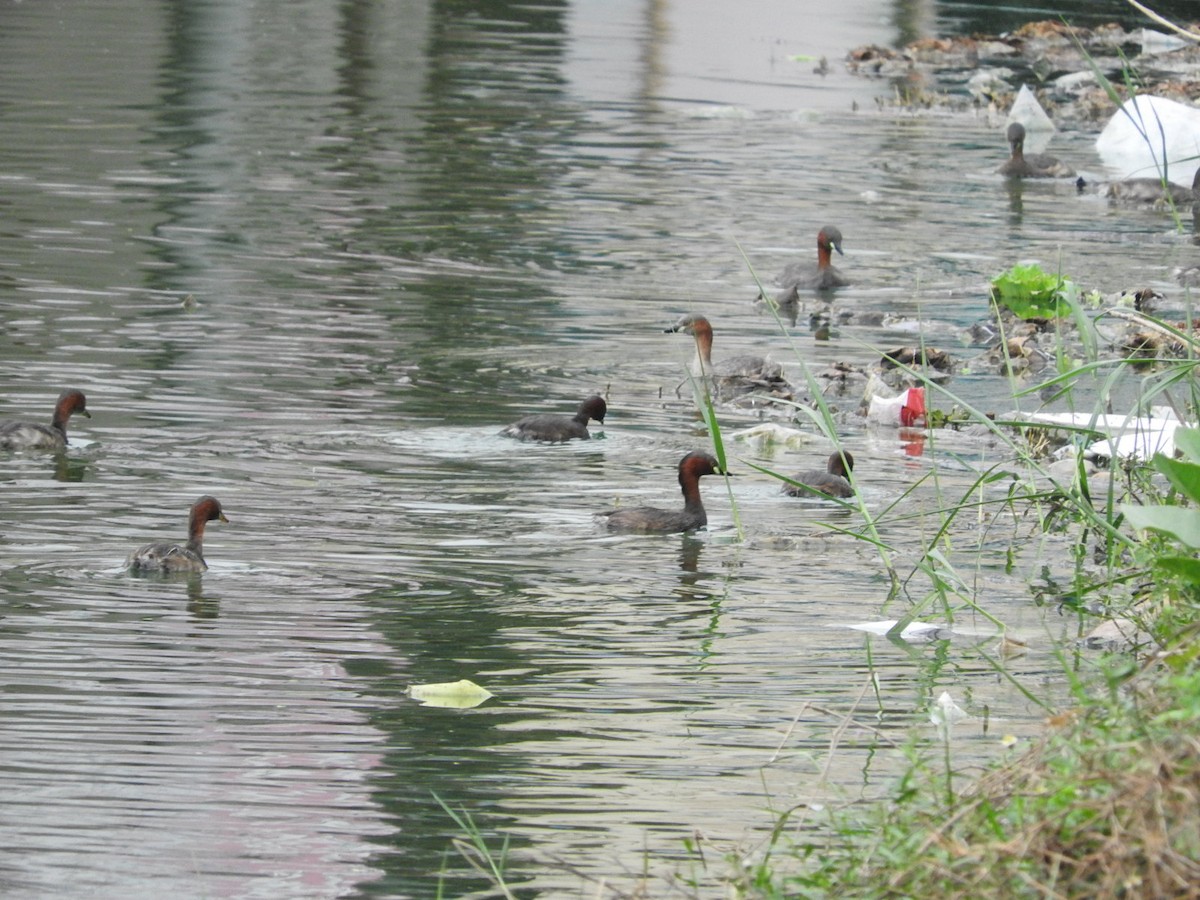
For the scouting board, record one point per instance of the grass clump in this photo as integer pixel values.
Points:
(1105, 806)
(474, 848)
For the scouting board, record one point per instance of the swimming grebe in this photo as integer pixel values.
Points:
(735, 375)
(556, 429)
(1188, 277)
(1035, 165)
(1151, 190)
(164, 556)
(653, 520)
(832, 482)
(821, 277)
(33, 436)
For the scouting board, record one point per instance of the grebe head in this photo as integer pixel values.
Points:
(830, 238)
(699, 328)
(593, 408)
(205, 510)
(1016, 136)
(840, 464)
(692, 324)
(70, 402)
(696, 464)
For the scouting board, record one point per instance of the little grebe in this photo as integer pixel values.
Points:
(164, 556)
(832, 482)
(1188, 277)
(821, 277)
(653, 520)
(33, 436)
(734, 375)
(556, 429)
(1035, 165)
(1151, 190)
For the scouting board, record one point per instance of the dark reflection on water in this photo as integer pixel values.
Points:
(311, 263)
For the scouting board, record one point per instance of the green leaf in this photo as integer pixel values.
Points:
(1188, 441)
(708, 412)
(1185, 567)
(1030, 292)
(1181, 524)
(462, 694)
(1185, 476)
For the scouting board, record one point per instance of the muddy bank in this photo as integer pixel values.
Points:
(1054, 59)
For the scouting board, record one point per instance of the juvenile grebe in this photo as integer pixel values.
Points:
(33, 436)
(832, 482)
(1035, 165)
(164, 556)
(734, 375)
(1151, 190)
(821, 277)
(556, 429)
(653, 520)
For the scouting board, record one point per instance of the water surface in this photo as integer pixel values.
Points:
(311, 263)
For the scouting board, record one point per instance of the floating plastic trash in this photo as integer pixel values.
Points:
(1128, 437)
(1134, 140)
(1029, 112)
(769, 434)
(945, 714)
(905, 409)
(913, 631)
